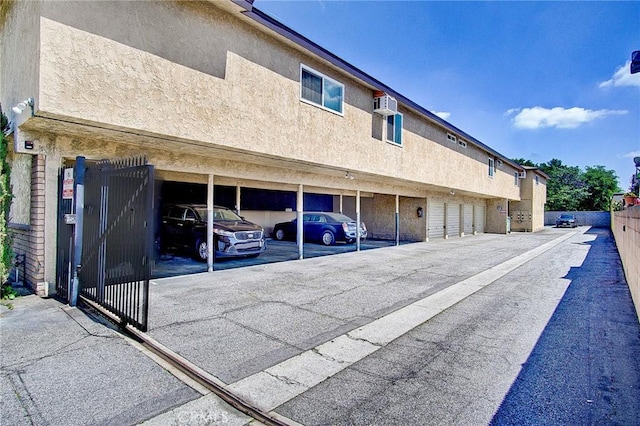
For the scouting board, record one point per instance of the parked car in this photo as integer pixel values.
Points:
(566, 220)
(326, 228)
(184, 226)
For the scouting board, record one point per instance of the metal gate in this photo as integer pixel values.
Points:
(117, 239)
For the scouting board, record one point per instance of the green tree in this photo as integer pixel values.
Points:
(6, 253)
(601, 184)
(566, 189)
(524, 162)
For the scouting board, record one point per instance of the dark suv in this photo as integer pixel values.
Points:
(184, 226)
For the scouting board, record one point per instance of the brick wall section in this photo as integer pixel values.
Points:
(626, 231)
(35, 264)
(595, 219)
(28, 240)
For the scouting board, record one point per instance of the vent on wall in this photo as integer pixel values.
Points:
(384, 104)
(522, 175)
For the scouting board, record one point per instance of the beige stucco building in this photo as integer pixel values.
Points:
(230, 97)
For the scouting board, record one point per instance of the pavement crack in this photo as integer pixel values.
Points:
(286, 380)
(361, 339)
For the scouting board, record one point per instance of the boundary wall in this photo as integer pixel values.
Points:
(626, 231)
(595, 219)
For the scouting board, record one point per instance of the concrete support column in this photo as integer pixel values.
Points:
(425, 220)
(299, 211)
(358, 220)
(238, 199)
(210, 239)
(341, 200)
(397, 219)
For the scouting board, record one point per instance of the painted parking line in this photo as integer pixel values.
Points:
(282, 382)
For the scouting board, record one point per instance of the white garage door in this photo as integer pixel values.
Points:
(436, 220)
(468, 219)
(480, 217)
(453, 220)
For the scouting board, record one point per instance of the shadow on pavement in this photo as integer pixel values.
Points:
(584, 368)
(172, 264)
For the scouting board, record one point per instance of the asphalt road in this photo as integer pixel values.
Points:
(492, 329)
(561, 325)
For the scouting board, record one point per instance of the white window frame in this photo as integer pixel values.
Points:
(492, 167)
(537, 180)
(396, 133)
(462, 143)
(324, 79)
(516, 177)
(452, 138)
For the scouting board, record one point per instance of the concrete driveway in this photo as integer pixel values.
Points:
(171, 264)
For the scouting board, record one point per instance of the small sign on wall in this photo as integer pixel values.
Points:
(67, 184)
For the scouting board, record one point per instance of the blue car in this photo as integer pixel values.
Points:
(322, 227)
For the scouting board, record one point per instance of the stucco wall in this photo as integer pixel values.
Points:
(497, 214)
(626, 230)
(254, 105)
(19, 65)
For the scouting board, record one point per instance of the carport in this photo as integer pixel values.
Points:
(390, 219)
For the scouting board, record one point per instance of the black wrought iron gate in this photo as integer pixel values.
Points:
(117, 241)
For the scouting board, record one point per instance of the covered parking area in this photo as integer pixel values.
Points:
(391, 219)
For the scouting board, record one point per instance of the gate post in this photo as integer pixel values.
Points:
(77, 243)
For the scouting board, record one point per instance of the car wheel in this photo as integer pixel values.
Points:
(327, 238)
(202, 252)
(279, 235)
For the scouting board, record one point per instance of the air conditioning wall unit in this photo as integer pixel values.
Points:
(385, 105)
(522, 175)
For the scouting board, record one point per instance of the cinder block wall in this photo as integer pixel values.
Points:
(626, 231)
(595, 219)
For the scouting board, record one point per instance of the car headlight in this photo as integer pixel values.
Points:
(222, 232)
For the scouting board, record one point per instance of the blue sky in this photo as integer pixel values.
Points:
(535, 80)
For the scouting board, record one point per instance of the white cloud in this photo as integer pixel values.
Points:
(622, 77)
(562, 118)
(443, 115)
(631, 154)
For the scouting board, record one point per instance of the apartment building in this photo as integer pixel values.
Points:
(226, 102)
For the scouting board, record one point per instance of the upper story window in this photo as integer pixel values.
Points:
(394, 128)
(462, 143)
(516, 178)
(537, 180)
(452, 138)
(320, 90)
(492, 167)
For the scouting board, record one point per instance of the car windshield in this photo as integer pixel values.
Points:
(566, 216)
(219, 214)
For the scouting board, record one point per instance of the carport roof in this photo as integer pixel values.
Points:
(297, 38)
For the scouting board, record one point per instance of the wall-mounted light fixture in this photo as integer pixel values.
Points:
(348, 175)
(21, 106)
(452, 192)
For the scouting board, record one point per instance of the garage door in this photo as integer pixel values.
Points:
(453, 220)
(468, 219)
(436, 220)
(480, 217)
